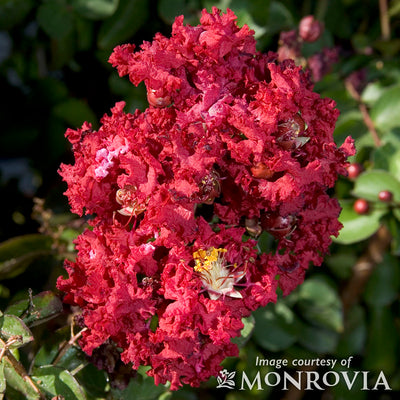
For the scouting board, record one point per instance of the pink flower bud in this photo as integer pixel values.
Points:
(310, 29)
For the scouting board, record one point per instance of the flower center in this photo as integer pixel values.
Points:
(130, 204)
(217, 277)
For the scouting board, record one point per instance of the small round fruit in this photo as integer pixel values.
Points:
(354, 170)
(361, 206)
(385, 196)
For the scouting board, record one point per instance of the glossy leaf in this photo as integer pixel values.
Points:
(372, 92)
(57, 381)
(12, 326)
(246, 332)
(95, 9)
(3, 383)
(13, 12)
(276, 327)
(169, 10)
(352, 340)
(386, 111)
(370, 183)
(17, 253)
(44, 306)
(93, 380)
(125, 22)
(74, 112)
(382, 345)
(357, 227)
(16, 382)
(55, 19)
(318, 339)
(387, 157)
(384, 284)
(140, 388)
(319, 303)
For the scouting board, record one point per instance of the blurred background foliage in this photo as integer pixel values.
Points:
(54, 74)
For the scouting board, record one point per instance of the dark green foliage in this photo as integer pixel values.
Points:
(54, 74)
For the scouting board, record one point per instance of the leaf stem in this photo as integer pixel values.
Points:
(384, 19)
(18, 367)
(364, 112)
(67, 345)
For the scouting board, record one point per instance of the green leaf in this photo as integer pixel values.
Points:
(12, 326)
(385, 113)
(95, 9)
(387, 157)
(56, 381)
(2, 379)
(370, 183)
(383, 286)
(280, 18)
(246, 332)
(318, 339)
(70, 360)
(17, 253)
(16, 382)
(357, 227)
(55, 19)
(373, 92)
(320, 304)
(382, 345)
(13, 12)
(168, 10)
(352, 340)
(276, 327)
(44, 306)
(93, 380)
(125, 22)
(74, 112)
(142, 387)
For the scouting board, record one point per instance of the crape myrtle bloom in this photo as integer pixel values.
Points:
(234, 145)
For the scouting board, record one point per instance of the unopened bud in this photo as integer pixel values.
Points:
(310, 29)
(158, 101)
(252, 227)
(261, 171)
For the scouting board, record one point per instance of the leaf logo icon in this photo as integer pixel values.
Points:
(225, 380)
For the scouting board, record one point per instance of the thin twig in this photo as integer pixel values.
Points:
(384, 17)
(67, 345)
(364, 112)
(364, 266)
(18, 367)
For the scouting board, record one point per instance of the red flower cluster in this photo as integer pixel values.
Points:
(233, 144)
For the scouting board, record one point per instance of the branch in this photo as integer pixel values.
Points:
(384, 18)
(364, 112)
(364, 266)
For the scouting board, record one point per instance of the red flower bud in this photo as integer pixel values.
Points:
(158, 101)
(252, 227)
(260, 170)
(361, 206)
(310, 29)
(385, 196)
(279, 226)
(354, 170)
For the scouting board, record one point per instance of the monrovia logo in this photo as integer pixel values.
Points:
(303, 380)
(225, 380)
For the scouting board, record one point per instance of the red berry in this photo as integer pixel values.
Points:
(354, 170)
(385, 196)
(310, 29)
(361, 206)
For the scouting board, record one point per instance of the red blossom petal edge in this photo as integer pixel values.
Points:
(234, 144)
